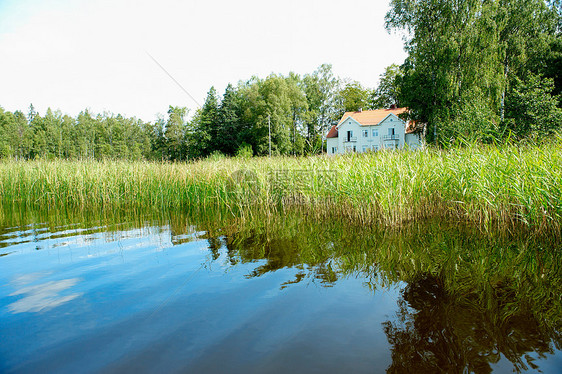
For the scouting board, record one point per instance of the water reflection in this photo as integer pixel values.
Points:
(43, 296)
(467, 300)
(279, 252)
(434, 332)
(470, 298)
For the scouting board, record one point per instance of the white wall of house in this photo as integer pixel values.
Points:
(414, 141)
(347, 135)
(332, 146)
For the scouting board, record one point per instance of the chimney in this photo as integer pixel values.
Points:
(393, 106)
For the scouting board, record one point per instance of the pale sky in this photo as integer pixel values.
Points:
(77, 54)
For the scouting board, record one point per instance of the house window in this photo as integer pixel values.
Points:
(349, 135)
(334, 149)
(365, 133)
(375, 132)
(375, 148)
(365, 148)
(354, 149)
(391, 131)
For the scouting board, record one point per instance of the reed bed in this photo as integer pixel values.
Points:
(505, 185)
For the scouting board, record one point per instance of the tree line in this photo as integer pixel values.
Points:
(296, 110)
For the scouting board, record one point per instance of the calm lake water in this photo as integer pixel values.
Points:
(210, 293)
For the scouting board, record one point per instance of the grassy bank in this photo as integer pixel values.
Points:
(506, 185)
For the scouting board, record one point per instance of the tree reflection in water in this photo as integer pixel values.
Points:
(281, 251)
(435, 332)
(470, 298)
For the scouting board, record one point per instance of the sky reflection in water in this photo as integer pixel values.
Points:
(214, 295)
(40, 297)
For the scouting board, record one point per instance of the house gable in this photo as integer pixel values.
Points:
(349, 125)
(393, 119)
(349, 120)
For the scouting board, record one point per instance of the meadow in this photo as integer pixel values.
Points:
(497, 185)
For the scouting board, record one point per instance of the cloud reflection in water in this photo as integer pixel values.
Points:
(41, 297)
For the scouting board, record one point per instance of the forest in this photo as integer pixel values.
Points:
(477, 70)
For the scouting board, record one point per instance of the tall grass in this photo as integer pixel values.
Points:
(505, 185)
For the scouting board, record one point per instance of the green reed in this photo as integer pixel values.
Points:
(505, 185)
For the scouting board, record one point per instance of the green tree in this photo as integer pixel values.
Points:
(23, 136)
(353, 97)
(269, 104)
(299, 112)
(40, 130)
(85, 135)
(321, 90)
(53, 131)
(6, 125)
(205, 127)
(530, 108)
(281, 106)
(229, 135)
(31, 113)
(175, 133)
(156, 131)
(16, 137)
(387, 92)
(453, 54)
(68, 145)
(463, 57)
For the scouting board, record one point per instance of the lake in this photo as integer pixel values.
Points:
(206, 292)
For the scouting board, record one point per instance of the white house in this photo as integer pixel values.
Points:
(372, 130)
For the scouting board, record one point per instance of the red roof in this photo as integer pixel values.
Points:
(371, 117)
(333, 132)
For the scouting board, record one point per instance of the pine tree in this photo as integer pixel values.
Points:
(229, 135)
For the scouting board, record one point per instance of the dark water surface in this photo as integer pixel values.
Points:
(210, 293)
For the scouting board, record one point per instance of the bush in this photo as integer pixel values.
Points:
(216, 156)
(245, 151)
